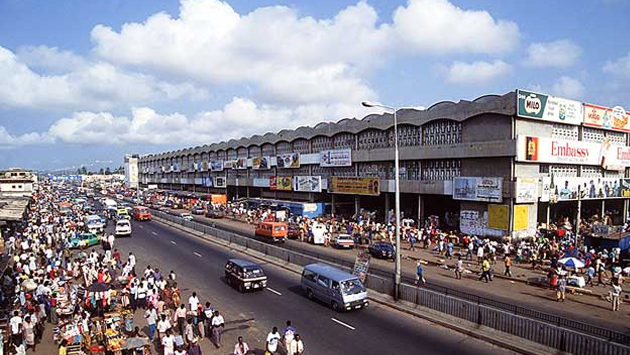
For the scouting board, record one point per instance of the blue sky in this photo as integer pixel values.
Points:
(84, 82)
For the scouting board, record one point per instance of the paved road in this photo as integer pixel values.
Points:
(375, 330)
(587, 310)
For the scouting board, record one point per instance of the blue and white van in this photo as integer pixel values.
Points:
(340, 290)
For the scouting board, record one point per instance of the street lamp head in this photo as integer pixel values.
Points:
(367, 104)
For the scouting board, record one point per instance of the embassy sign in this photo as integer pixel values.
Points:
(549, 108)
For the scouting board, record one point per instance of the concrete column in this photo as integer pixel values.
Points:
(332, 204)
(603, 208)
(387, 207)
(248, 191)
(311, 197)
(420, 210)
(357, 204)
(548, 213)
(625, 211)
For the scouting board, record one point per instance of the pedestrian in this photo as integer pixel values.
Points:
(180, 318)
(615, 294)
(189, 333)
(29, 333)
(162, 326)
(209, 314)
(241, 347)
(151, 316)
(485, 270)
(218, 323)
(273, 339)
(459, 268)
(508, 264)
(16, 328)
(193, 302)
(168, 343)
(297, 346)
(479, 254)
(63, 348)
(288, 335)
(469, 251)
(561, 289)
(419, 274)
(590, 275)
(194, 348)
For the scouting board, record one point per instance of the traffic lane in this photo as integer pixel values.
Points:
(314, 320)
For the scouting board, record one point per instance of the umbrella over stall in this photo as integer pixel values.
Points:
(99, 287)
(571, 262)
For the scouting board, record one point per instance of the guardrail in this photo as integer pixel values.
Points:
(549, 330)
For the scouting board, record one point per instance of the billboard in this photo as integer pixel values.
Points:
(239, 164)
(624, 188)
(526, 190)
(616, 118)
(307, 183)
(261, 182)
(557, 151)
(219, 181)
(355, 185)
(216, 165)
(488, 189)
(204, 166)
(261, 163)
(207, 181)
(521, 217)
(289, 160)
(336, 157)
(281, 183)
(555, 188)
(548, 108)
(499, 217)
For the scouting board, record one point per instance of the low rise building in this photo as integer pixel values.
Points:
(17, 182)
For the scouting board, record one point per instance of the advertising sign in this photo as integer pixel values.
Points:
(227, 164)
(473, 222)
(552, 150)
(526, 190)
(216, 165)
(487, 189)
(281, 183)
(261, 163)
(615, 118)
(624, 188)
(499, 217)
(307, 183)
(521, 217)
(239, 164)
(261, 182)
(290, 160)
(204, 166)
(337, 157)
(566, 188)
(219, 181)
(354, 185)
(548, 108)
(361, 265)
(615, 157)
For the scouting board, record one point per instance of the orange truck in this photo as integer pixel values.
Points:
(141, 213)
(275, 232)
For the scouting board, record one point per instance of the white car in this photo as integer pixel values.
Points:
(187, 216)
(123, 228)
(343, 241)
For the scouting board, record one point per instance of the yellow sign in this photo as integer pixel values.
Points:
(499, 217)
(521, 217)
(355, 185)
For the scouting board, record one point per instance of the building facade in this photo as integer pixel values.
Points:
(490, 166)
(17, 182)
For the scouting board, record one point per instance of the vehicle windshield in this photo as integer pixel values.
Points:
(122, 224)
(253, 271)
(352, 287)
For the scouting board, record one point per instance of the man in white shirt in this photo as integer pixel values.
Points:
(297, 346)
(218, 323)
(616, 292)
(16, 328)
(273, 339)
(193, 302)
(162, 326)
(168, 343)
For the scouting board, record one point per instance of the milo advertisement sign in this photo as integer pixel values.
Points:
(548, 108)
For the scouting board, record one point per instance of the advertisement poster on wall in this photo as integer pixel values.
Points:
(624, 188)
(557, 151)
(261, 163)
(336, 157)
(227, 164)
(220, 182)
(555, 188)
(354, 185)
(527, 190)
(239, 164)
(204, 166)
(488, 189)
(281, 183)
(499, 217)
(288, 161)
(521, 217)
(307, 183)
(615, 118)
(216, 165)
(473, 222)
(261, 182)
(207, 181)
(549, 108)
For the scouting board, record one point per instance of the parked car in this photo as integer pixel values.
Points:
(295, 232)
(343, 241)
(198, 210)
(382, 250)
(187, 216)
(218, 214)
(123, 228)
(245, 275)
(84, 240)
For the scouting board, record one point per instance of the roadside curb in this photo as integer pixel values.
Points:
(519, 345)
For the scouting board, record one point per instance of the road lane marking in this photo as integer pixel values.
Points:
(274, 291)
(342, 323)
(153, 233)
(141, 227)
(199, 255)
(172, 241)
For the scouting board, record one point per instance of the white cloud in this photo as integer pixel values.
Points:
(50, 58)
(479, 72)
(8, 140)
(568, 87)
(561, 54)
(437, 26)
(93, 85)
(619, 68)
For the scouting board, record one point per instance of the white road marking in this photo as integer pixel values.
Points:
(153, 233)
(199, 255)
(141, 227)
(172, 241)
(342, 323)
(274, 291)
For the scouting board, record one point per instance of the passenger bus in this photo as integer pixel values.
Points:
(64, 208)
(275, 232)
(304, 209)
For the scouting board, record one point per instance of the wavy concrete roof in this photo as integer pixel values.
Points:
(460, 111)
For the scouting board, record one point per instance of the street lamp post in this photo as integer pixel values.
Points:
(397, 272)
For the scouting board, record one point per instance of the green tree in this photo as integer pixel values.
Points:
(107, 171)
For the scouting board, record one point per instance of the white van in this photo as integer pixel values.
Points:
(340, 290)
(317, 233)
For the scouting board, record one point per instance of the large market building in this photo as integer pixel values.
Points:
(496, 165)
